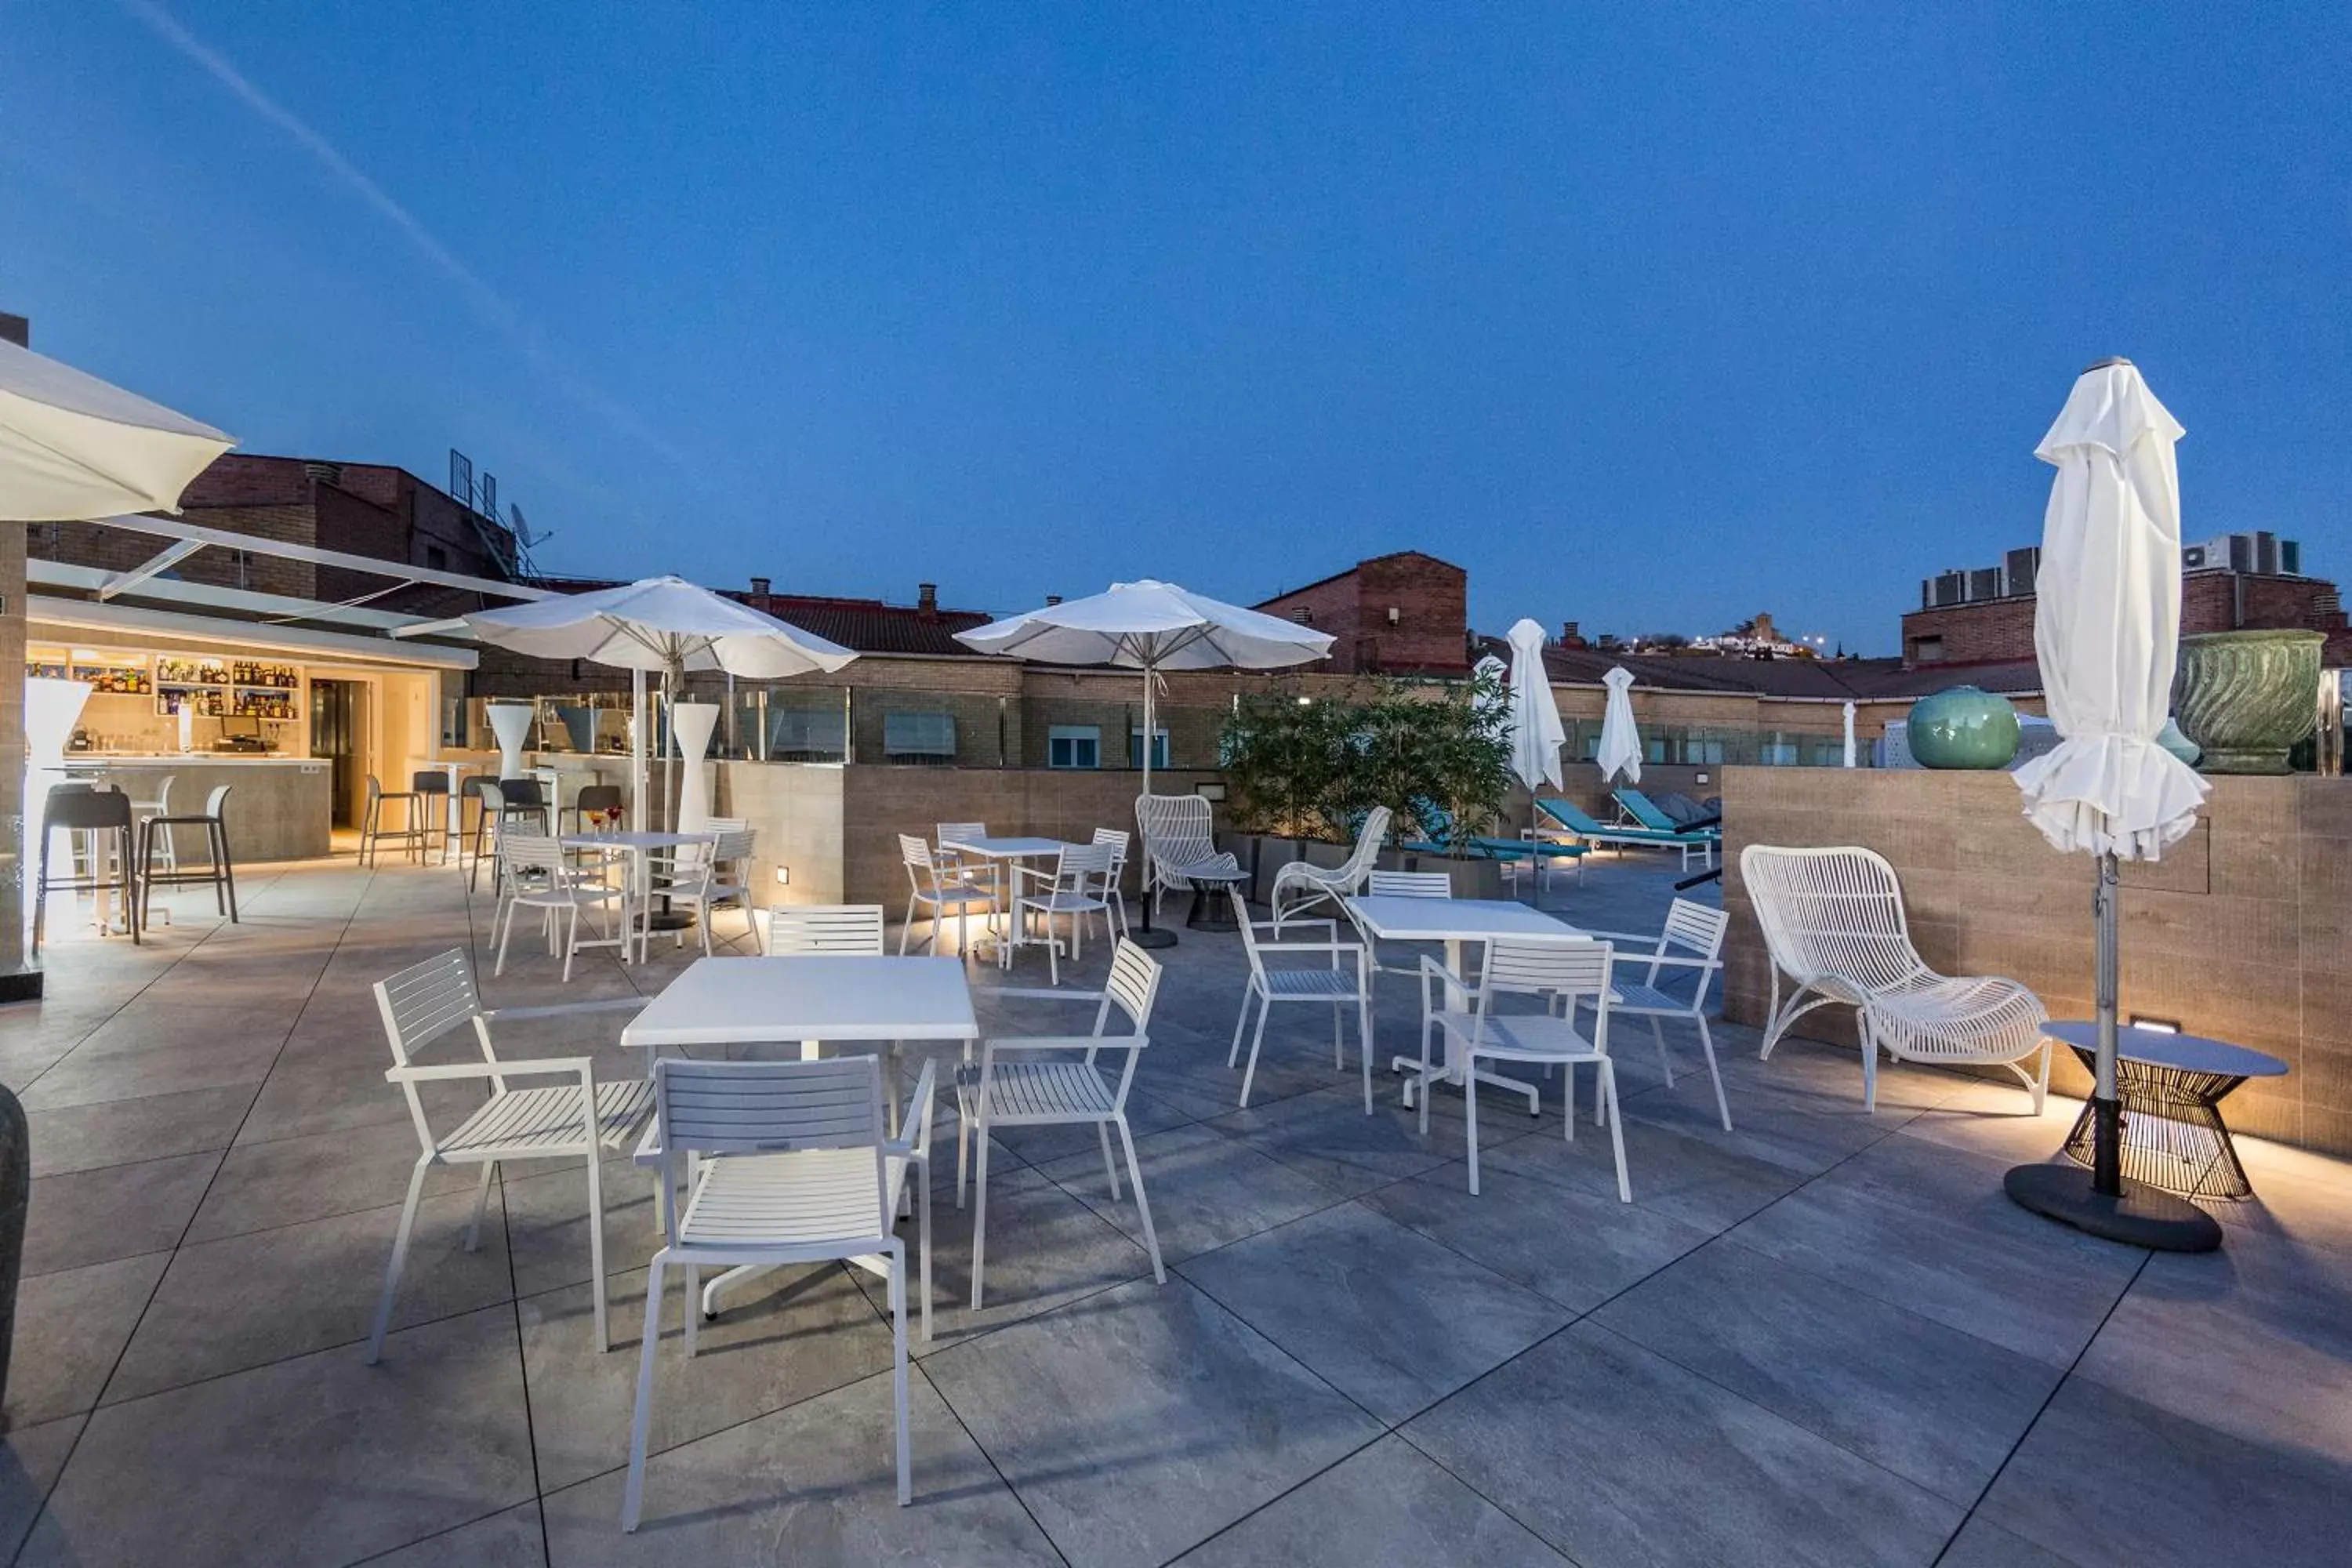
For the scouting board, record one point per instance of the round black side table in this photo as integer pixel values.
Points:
(2171, 1086)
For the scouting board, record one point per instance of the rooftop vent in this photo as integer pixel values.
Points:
(1303, 616)
(759, 586)
(927, 600)
(1052, 598)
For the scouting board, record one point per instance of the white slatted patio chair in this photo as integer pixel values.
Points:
(1343, 980)
(534, 873)
(1120, 841)
(952, 861)
(1690, 945)
(1558, 971)
(1074, 889)
(1834, 923)
(1058, 1081)
(784, 1162)
(716, 879)
(580, 1120)
(1178, 837)
(1299, 887)
(1401, 884)
(793, 930)
(939, 897)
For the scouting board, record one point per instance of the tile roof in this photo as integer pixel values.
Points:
(863, 625)
(1837, 681)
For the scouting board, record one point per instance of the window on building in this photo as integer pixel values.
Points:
(808, 734)
(918, 738)
(1777, 751)
(240, 568)
(1135, 748)
(1074, 746)
(1926, 650)
(435, 558)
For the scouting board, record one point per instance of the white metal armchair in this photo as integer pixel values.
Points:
(1058, 1081)
(1690, 945)
(792, 931)
(786, 1162)
(1075, 888)
(1834, 923)
(1343, 980)
(579, 1120)
(1299, 887)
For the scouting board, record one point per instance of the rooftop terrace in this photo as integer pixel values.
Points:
(1824, 1337)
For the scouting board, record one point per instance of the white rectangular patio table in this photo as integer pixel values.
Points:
(1002, 852)
(640, 847)
(1453, 921)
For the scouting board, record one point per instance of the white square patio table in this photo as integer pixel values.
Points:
(636, 908)
(1453, 921)
(1002, 853)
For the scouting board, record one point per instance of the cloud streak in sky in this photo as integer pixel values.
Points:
(485, 301)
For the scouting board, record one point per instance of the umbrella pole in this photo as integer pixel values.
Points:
(2099, 1201)
(1146, 935)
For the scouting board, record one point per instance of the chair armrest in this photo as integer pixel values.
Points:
(561, 1009)
(1330, 926)
(1278, 950)
(543, 1067)
(1679, 960)
(1432, 969)
(915, 1144)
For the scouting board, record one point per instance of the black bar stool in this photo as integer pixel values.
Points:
(220, 873)
(507, 800)
(429, 804)
(82, 809)
(594, 798)
(409, 836)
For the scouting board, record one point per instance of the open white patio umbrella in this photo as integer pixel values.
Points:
(2106, 627)
(1621, 743)
(74, 447)
(663, 625)
(1152, 626)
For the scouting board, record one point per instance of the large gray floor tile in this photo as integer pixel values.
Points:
(248, 1299)
(98, 1071)
(511, 1539)
(1144, 1420)
(1578, 1247)
(70, 1331)
(30, 1460)
(547, 1220)
(781, 1338)
(1984, 1544)
(1383, 1507)
(122, 1131)
(119, 1211)
(1931, 1404)
(1618, 1457)
(811, 1484)
(262, 1186)
(1205, 1189)
(315, 1460)
(1682, 1178)
(1803, 1133)
(1327, 1137)
(1385, 1315)
(2110, 1481)
(2003, 1275)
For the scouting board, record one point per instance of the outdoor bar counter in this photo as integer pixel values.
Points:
(278, 808)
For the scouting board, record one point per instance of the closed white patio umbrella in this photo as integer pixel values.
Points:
(1537, 733)
(663, 626)
(2106, 627)
(1152, 626)
(1849, 735)
(1621, 743)
(74, 447)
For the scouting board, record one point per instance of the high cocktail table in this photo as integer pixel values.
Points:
(2171, 1086)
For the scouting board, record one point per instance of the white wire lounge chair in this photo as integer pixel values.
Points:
(1299, 887)
(1177, 839)
(1834, 923)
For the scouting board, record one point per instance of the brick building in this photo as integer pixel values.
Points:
(359, 508)
(1402, 613)
(1986, 616)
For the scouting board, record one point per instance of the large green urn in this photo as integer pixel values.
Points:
(1962, 727)
(2247, 697)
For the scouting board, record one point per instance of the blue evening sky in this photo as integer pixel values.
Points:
(1650, 316)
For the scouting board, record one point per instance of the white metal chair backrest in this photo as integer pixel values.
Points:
(419, 1005)
(1694, 928)
(734, 848)
(525, 852)
(1176, 832)
(723, 1108)
(1133, 988)
(1118, 839)
(1410, 885)
(1832, 911)
(1083, 869)
(960, 831)
(922, 867)
(1573, 969)
(1368, 848)
(801, 930)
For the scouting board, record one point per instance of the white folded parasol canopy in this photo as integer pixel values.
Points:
(1621, 743)
(2106, 624)
(1537, 733)
(74, 447)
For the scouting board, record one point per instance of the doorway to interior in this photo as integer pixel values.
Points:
(338, 720)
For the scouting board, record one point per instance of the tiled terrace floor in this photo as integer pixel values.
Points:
(1825, 1338)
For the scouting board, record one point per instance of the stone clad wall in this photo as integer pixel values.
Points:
(2243, 933)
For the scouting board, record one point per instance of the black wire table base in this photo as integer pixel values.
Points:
(2174, 1138)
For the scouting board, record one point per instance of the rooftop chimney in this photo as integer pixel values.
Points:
(15, 329)
(759, 586)
(927, 601)
(1052, 598)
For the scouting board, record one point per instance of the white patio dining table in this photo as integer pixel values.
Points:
(1002, 853)
(1453, 921)
(640, 848)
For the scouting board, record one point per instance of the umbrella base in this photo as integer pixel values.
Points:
(1152, 937)
(2141, 1217)
(670, 920)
